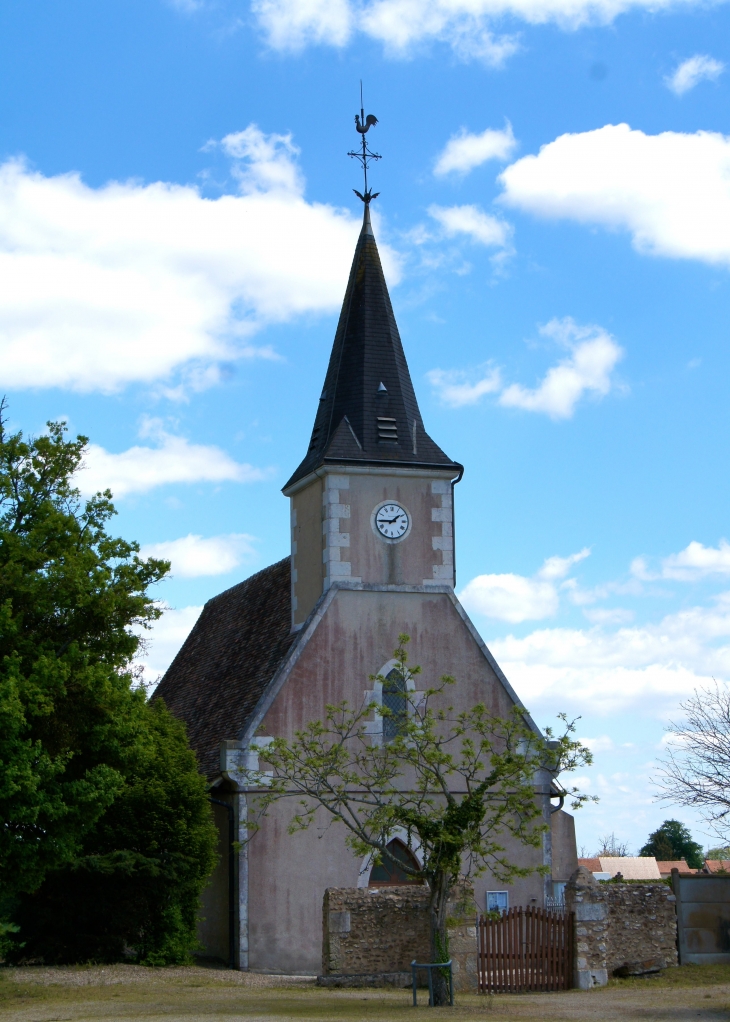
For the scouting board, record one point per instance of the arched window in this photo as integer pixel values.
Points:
(394, 699)
(390, 872)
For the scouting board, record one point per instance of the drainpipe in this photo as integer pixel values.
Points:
(231, 880)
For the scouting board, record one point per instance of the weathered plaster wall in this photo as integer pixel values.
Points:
(289, 873)
(306, 546)
(564, 853)
(333, 536)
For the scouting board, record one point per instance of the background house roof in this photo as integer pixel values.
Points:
(593, 864)
(230, 656)
(631, 867)
(717, 865)
(667, 865)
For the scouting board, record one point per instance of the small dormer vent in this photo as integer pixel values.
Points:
(387, 429)
(315, 438)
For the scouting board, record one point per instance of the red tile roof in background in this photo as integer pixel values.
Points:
(594, 865)
(717, 865)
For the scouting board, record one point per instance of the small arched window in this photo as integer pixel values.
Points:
(394, 700)
(390, 872)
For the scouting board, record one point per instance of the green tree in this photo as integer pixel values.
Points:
(721, 852)
(673, 841)
(459, 782)
(135, 886)
(73, 600)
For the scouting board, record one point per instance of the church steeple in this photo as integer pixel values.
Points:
(372, 501)
(368, 412)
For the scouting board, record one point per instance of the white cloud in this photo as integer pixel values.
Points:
(670, 191)
(404, 25)
(173, 460)
(130, 282)
(455, 388)
(587, 370)
(698, 561)
(601, 744)
(515, 598)
(609, 615)
(649, 668)
(559, 567)
(694, 562)
(472, 221)
(193, 556)
(164, 639)
(510, 597)
(270, 161)
(465, 151)
(693, 71)
(294, 24)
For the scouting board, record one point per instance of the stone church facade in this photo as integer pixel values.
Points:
(372, 556)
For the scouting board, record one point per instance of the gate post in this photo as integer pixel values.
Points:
(584, 897)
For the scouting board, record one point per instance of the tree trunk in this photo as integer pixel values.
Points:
(440, 888)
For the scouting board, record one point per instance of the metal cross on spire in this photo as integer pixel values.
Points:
(363, 125)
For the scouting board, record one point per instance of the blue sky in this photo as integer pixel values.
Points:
(176, 228)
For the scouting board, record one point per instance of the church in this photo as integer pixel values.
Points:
(372, 556)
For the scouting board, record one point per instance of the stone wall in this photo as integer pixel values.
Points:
(370, 930)
(642, 924)
(630, 926)
(376, 932)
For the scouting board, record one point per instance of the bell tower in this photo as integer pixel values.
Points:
(371, 502)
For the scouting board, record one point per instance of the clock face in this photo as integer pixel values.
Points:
(391, 521)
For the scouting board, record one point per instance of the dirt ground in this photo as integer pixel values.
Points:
(125, 993)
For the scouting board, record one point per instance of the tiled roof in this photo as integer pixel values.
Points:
(631, 867)
(717, 865)
(594, 865)
(368, 410)
(230, 656)
(666, 866)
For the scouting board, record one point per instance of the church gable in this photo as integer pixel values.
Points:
(351, 636)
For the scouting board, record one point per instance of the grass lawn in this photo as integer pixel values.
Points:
(128, 992)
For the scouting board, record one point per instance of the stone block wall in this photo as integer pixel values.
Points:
(584, 896)
(619, 924)
(463, 952)
(369, 930)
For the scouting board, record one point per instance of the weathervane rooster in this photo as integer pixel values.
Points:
(363, 124)
(370, 120)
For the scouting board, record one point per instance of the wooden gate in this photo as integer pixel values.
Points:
(526, 949)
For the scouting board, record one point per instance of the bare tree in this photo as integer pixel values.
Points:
(696, 770)
(611, 848)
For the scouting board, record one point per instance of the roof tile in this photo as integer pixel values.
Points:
(230, 656)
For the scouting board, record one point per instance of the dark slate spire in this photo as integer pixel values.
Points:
(368, 410)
